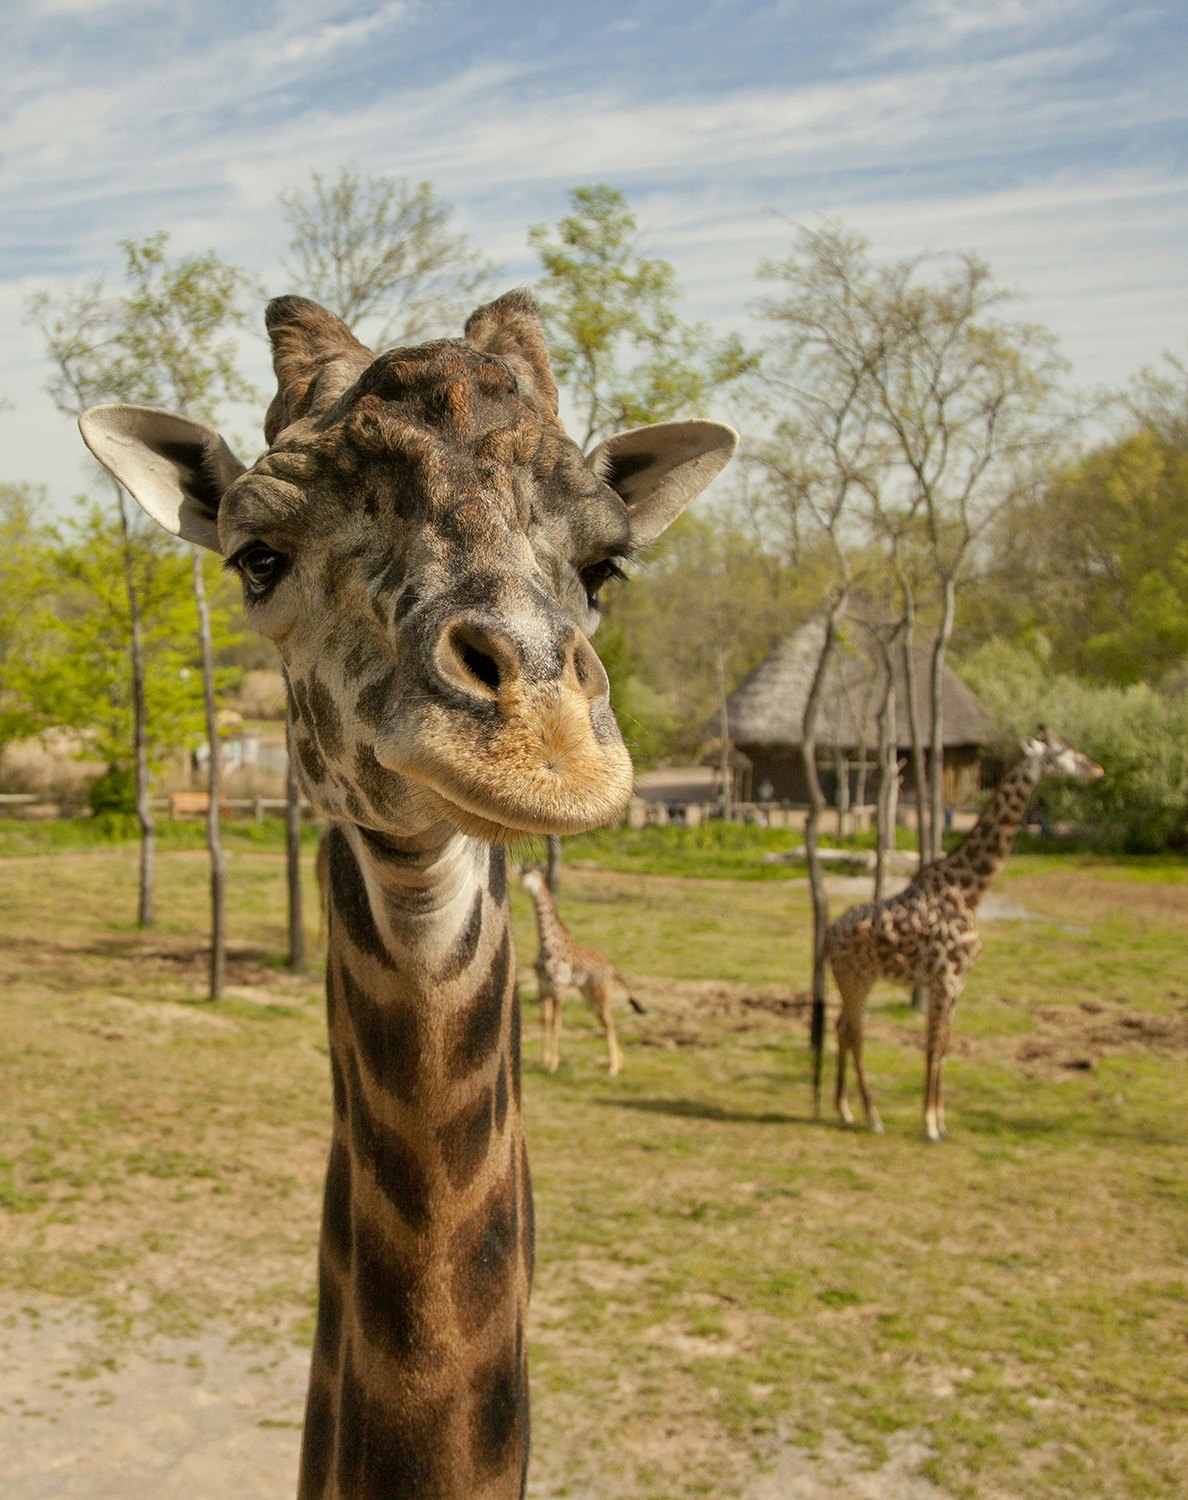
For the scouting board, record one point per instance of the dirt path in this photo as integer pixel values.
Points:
(199, 1419)
(207, 1419)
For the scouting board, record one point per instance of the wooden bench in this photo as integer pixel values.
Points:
(191, 804)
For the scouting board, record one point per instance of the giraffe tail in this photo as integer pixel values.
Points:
(635, 1005)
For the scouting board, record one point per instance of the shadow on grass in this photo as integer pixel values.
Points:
(698, 1109)
(1018, 1129)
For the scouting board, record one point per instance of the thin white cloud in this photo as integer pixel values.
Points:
(337, 35)
(955, 127)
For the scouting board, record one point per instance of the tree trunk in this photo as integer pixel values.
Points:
(293, 854)
(919, 776)
(841, 770)
(218, 858)
(888, 779)
(553, 865)
(923, 833)
(812, 848)
(724, 719)
(936, 770)
(146, 914)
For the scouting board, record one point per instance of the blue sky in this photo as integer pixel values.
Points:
(1049, 136)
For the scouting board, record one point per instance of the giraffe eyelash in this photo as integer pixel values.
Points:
(599, 573)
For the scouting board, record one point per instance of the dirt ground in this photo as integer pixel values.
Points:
(205, 1419)
(193, 1419)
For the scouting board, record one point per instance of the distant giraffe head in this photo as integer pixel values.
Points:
(426, 547)
(1048, 755)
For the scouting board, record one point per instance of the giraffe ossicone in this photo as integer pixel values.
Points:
(927, 934)
(425, 546)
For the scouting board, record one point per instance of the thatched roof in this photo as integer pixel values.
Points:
(768, 707)
(711, 755)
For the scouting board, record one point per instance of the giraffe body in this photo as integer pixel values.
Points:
(425, 547)
(927, 934)
(562, 962)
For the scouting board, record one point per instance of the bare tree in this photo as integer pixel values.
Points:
(958, 404)
(812, 468)
(380, 252)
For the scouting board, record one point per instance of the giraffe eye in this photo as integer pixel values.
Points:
(259, 567)
(594, 577)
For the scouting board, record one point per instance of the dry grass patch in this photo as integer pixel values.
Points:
(731, 1298)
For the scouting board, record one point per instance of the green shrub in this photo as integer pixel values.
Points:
(113, 792)
(1139, 735)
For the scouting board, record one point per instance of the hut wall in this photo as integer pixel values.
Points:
(782, 767)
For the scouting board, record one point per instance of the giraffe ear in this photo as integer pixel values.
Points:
(316, 358)
(659, 469)
(176, 470)
(511, 328)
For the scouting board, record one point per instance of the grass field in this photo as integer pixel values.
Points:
(724, 1283)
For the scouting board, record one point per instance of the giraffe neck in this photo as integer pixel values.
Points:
(985, 848)
(548, 921)
(419, 1378)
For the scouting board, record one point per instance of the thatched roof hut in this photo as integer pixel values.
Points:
(766, 712)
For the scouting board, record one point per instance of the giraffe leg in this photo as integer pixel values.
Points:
(942, 995)
(840, 1102)
(868, 1106)
(599, 998)
(849, 1043)
(550, 1011)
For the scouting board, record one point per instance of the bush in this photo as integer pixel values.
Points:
(1139, 735)
(113, 793)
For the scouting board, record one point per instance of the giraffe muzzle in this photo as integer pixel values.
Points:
(514, 741)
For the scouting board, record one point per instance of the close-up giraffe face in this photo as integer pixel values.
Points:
(426, 547)
(434, 610)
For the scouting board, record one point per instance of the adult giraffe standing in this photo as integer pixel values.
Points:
(425, 546)
(927, 934)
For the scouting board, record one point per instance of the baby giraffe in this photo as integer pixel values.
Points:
(928, 934)
(562, 960)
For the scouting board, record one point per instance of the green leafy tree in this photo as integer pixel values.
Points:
(380, 252)
(1096, 564)
(25, 584)
(620, 350)
(617, 344)
(167, 339)
(82, 681)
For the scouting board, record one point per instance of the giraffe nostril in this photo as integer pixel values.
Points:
(479, 664)
(588, 669)
(475, 660)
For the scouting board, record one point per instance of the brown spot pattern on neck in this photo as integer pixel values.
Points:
(418, 1384)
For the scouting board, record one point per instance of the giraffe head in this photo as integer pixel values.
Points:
(1053, 756)
(426, 547)
(531, 879)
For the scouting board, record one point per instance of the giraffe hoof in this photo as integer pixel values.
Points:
(876, 1126)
